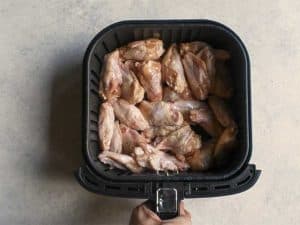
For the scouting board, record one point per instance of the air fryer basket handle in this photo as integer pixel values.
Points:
(165, 199)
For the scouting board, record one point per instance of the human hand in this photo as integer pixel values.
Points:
(142, 215)
(184, 217)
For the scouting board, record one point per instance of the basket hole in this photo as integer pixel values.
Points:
(110, 187)
(226, 186)
(203, 188)
(134, 189)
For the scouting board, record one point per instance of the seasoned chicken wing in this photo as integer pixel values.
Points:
(223, 84)
(116, 141)
(221, 54)
(207, 55)
(109, 86)
(158, 131)
(150, 49)
(161, 113)
(202, 159)
(149, 74)
(196, 46)
(130, 115)
(149, 157)
(130, 139)
(106, 125)
(170, 95)
(225, 144)
(112, 163)
(121, 159)
(205, 118)
(131, 89)
(181, 141)
(172, 70)
(185, 106)
(193, 47)
(221, 111)
(197, 75)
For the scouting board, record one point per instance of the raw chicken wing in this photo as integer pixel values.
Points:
(185, 106)
(221, 111)
(202, 159)
(130, 139)
(130, 115)
(131, 89)
(181, 141)
(172, 70)
(109, 86)
(149, 74)
(223, 83)
(106, 125)
(121, 159)
(207, 55)
(159, 131)
(226, 142)
(161, 113)
(197, 75)
(170, 95)
(205, 118)
(150, 157)
(193, 47)
(150, 49)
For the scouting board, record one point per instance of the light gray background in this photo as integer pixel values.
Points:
(42, 44)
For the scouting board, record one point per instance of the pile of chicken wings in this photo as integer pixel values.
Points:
(153, 101)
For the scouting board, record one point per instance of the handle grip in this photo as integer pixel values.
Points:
(166, 203)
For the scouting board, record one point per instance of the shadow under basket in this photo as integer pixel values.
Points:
(167, 190)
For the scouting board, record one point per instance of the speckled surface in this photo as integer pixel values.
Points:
(41, 48)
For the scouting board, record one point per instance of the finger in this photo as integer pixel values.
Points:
(143, 216)
(181, 209)
(151, 214)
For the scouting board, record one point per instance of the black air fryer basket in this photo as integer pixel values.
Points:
(167, 190)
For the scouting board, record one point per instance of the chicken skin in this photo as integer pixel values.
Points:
(181, 141)
(193, 47)
(106, 125)
(172, 70)
(205, 118)
(110, 84)
(149, 74)
(150, 49)
(131, 89)
(223, 84)
(207, 55)
(150, 157)
(161, 113)
(202, 159)
(170, 95)
(159, 131)
(221, 111)
(197, 75)
(130, 115)
(125, 161)
(130, 139)
(227, 140)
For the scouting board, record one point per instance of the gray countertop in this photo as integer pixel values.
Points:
(41, 48)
